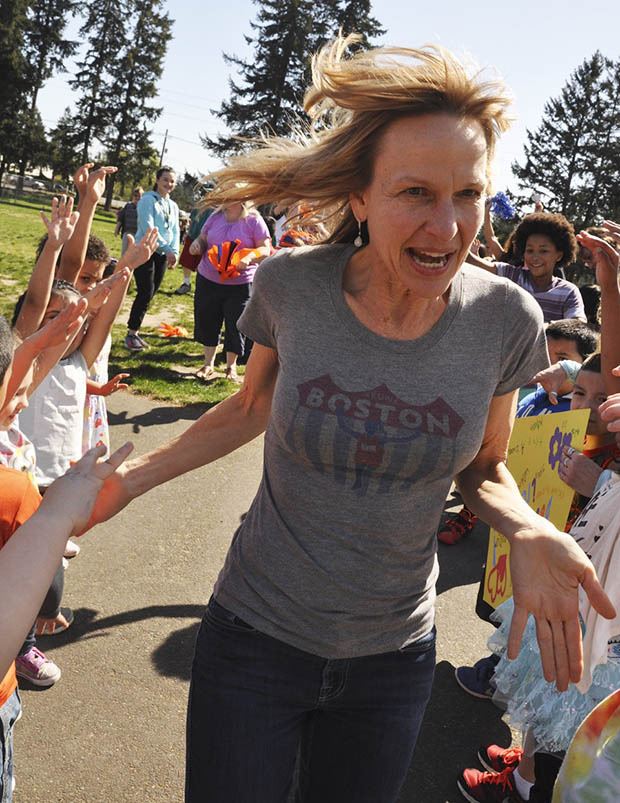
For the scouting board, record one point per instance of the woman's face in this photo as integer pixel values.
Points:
(165, 183)
(425, 202)
(541, 256)
(233, 211)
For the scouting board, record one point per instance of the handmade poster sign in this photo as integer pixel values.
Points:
(534, 455)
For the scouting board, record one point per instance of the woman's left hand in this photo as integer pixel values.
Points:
(579, 471)
(171, 259)
(547, 568)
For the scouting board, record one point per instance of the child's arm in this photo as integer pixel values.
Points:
(607, 261)
(135, 255)
(60, 226)
(91, 187)
(108, 388)
(46, 346)
(30, 558)
(101, 323)
(493, 244)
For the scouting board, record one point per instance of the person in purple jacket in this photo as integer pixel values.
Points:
(219, 297)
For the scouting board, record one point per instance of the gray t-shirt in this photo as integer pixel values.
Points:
(337, 554)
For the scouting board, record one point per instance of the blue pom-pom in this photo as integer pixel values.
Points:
(501, 206)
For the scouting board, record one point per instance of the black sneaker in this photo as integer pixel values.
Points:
(477, 680)
(183, 289)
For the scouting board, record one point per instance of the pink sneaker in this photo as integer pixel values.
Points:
(35, 667)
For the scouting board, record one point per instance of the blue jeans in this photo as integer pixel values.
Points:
(262, 713)
(9, 714)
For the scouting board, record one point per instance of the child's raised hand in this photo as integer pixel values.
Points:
(613, 229)
(64, 327)
(80, 178)
(73, 495)
(99, 295)
(62, 221)
(605, 258)
(96, 182)
(138, 253)
(114, 384)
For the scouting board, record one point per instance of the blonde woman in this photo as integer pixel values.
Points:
(221, 298)
(382, 367)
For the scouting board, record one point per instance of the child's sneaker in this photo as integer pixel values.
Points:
(477, 680)
(497, 759)
(457, 527)
(37, 668)
(488, 787)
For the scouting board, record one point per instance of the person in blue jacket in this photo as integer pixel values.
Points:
(155, 209)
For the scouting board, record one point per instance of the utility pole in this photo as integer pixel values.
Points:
(163, 149)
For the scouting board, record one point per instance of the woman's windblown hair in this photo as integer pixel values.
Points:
(351, 101)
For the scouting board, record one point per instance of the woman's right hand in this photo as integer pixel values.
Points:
(195, 248)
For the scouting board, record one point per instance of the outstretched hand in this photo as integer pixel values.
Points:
(63, 328)
(613, 229)
(547, 569)
(99, 295)
(554, 380)
(96, 183)
(138, 253)
(73, 495)
(80, 179)
(114, 384)
(604, 256)
(62, 221)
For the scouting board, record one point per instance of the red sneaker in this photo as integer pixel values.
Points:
(458, 526)
(488, 787)
(496, 759)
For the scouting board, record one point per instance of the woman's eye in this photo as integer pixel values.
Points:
(471, 193)
(415, 191)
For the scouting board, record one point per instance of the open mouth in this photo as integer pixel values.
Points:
(430, 260)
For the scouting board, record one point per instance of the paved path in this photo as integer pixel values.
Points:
(112, 729)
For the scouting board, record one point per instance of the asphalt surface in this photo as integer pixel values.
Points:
(112, 729)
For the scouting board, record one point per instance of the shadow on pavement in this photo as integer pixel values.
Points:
(461, 563)
(86, 624)
(454, 727)
(158, 416)
(173, 657)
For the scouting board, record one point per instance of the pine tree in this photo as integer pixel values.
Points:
(45, 47)
(573, 158)
(64, 146)
(45, 52)
(135, 72)
(354, 17)
(105, 29)
(13, 76)
(272, 83)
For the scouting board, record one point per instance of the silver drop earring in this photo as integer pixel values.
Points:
(358, 242)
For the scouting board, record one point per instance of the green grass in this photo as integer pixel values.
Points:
(160, 372)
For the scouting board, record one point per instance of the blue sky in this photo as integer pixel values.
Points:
(533, 44)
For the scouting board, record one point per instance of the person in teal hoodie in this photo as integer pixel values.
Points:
(155, 209)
